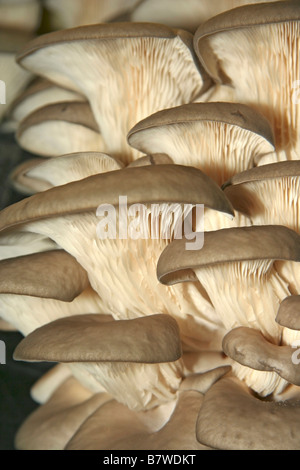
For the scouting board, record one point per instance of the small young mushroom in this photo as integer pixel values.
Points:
(288, 314)
(72, 124)
(241, 261)
(221, 139)
(130, 70)
(266, 36)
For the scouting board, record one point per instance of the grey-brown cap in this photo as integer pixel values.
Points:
(99, 338)
(249, 347)
(288, 314)
(243, 200)
(235, 114)
(232, 418)
(73, 119)
(241, 18)
(264, 242)
(147, 184)
(51, 274)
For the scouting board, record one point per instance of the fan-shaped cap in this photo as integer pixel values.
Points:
(99, 338)
(51, 274)
(110, 53)
(72, 124)
(39, 174)
(154, 183)
(235, 114)
(238, 19)
(232, 418)
(268, 242)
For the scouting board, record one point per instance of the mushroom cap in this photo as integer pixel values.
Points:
(39, 174)
(22, 183)
(154, 183)
(288, 314)
(104, 32)
(99, 338)
(249, 347)
(264, 242)
(243, 17)
(224, 112)
(136, 51)
(232, 418)
(50, 274)
(73, 120)
(38, 94)
(236, 187)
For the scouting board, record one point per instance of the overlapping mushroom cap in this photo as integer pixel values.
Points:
(150, 356)
(267, 35)
(130, 80)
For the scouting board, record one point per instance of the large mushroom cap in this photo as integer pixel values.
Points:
(127, 76)
(219, 138)
(243, 17)
(232, 418)
(267, 36)
(99, 338)
(228, 245)
(51, 274)
(176, 183)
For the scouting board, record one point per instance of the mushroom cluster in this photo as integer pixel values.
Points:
(155, 260)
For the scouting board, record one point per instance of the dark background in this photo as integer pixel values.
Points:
(16, 378)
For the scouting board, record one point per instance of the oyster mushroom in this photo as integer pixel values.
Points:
(131, 70)
(265, 35)
(74, 223)
(249, 291)
(288, 314)
(221, 139)
(115, 427)
(38, 288)
(72, 124)
(249, 347)
(142, 351)
(269, 195)
(39, 174)
(232, 418)
(38, 94)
